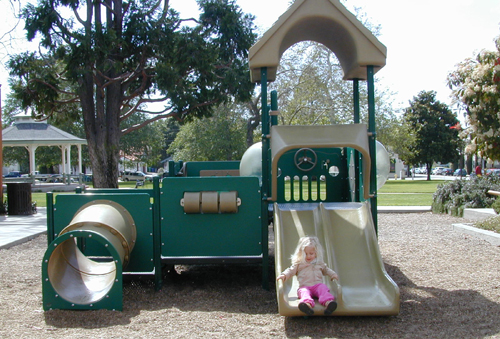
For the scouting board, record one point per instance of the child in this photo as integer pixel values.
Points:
(308, 265)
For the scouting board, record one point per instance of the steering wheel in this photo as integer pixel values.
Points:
(305, 159)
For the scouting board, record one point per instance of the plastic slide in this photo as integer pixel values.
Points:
(347, 234)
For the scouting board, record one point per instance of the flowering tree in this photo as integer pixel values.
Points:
(476, 85)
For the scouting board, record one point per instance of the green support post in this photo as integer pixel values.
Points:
(265, 179)
(371, 143)
(157, 233)
(50, 217)
(274, 107)
(357, 156)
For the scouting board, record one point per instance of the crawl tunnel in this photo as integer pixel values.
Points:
(72, 278)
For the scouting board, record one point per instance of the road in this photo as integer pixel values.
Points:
(433, 177)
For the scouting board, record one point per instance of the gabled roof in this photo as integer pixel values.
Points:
(29, 132)
(327, 22)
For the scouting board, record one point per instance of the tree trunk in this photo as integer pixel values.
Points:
(103, 137)
(101, 106)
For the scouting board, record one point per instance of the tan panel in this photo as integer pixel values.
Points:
(219, 173)
(327, 22)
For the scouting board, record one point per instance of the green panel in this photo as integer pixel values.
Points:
(207, 235)
(137, 204)
(315, 185)
(193, 168)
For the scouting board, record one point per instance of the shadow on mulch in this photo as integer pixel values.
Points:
(193, 288)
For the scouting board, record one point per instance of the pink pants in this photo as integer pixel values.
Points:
(320, 291)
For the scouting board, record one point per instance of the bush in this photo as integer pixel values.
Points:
(496, 205)
(490, 224)
(3, 207)
(454, 196)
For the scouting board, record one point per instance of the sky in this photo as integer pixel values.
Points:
(425, 39)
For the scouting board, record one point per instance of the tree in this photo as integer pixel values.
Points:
(311, 91)
(220, 137)
(170, 129)
(476, 85)
(144, 144)
(112, 57)
(431, 126)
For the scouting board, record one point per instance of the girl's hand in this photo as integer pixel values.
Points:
(335, 277)
(281, 277)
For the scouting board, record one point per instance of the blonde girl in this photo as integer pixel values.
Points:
(309, 267)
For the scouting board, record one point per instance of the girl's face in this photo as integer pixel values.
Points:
(310, 252)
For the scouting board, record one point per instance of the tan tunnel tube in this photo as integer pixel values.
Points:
(79, 279)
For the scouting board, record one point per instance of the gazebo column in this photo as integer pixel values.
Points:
(63, 158)
(31, 150)
(79, 169)
(68, 160)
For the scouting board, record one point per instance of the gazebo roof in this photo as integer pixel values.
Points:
(26, 131)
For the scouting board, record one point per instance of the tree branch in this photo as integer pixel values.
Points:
(77, 16)
(51, 87)
(135, 108)
(147, 122)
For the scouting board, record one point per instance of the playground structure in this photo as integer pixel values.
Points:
(316, 180)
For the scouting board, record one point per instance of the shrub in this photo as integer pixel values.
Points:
(496, 205)
(454, 196)
(3, 207)
(490, 224)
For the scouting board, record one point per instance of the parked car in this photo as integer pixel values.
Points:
(494, 172)
(447, 171)
(460, 172)
(55, 178)
(420, 170)
(13, 174)
(133, 176)
(58, 178)
(437, 170)
(150, 176)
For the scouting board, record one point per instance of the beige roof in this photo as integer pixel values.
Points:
(327, 22)
(25, 131)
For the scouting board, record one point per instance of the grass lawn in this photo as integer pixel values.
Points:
(407, 192)
(393, 193)
(410, 186)
(41, 198)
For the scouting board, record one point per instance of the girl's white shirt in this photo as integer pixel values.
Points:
(309, 274)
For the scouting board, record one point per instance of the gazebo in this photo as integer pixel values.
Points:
(31, 134)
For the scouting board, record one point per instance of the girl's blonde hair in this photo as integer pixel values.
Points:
(299, 255)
